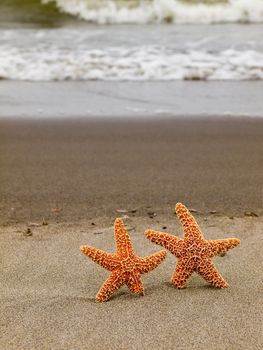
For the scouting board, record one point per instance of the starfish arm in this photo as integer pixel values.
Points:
(181, 274)
(149, 263)
(208, 271)
(113, 283)
(134, 283)
(106, 260)
(172, 243)
(220, 246)
(124, 246)
(191, 228)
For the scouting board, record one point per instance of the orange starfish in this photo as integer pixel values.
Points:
(125, 266)
(194, 253)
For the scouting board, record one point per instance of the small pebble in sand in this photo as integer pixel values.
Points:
(251, 214)
(213, 212)
(151, 214)
(28, 232)
(44, 222)
(56, 211)
(34, 224)
(121, 211)
(126, 211)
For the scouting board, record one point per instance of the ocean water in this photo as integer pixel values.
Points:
(131, 40)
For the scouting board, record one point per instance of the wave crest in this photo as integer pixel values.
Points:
(159, 11)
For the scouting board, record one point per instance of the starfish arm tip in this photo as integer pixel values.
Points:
(113, 283)
(178, 287)
(148, 233)
(118, 221)
(172, 243)
(88, 250)
(233, 241)
(220, 246)
(161, 255)
(107, 260)
(99, 300)
(222, 285)
(237, 240)
(83, 249)
(150, 262)
(152, 235)
(178, 204)
(178, 283)
(123, 241)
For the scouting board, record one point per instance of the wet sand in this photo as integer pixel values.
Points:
(88, 170)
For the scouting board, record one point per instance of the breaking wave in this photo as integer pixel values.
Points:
(137, 63)
(159, 11)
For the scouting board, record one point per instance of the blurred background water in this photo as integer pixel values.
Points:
(131, 58)
(131, 40)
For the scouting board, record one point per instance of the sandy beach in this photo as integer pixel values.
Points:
(122, 109)
(87, 171)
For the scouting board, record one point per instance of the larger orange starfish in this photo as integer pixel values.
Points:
(125, 266)
(194, 253)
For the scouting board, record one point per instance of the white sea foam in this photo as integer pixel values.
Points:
(147, 11)
(137, 63)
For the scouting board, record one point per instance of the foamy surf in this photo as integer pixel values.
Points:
(162, 11)
(137, 63)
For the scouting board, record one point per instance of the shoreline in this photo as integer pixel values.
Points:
(130, 99)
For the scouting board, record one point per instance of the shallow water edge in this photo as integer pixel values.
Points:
(130, 99)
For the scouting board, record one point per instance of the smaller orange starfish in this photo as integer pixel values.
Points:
(125, 266)
(194, 253)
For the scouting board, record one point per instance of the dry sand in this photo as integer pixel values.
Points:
(90, 170)
(48, 291)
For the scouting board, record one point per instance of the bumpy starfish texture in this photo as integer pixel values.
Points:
(125, 266)
(194, 253)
